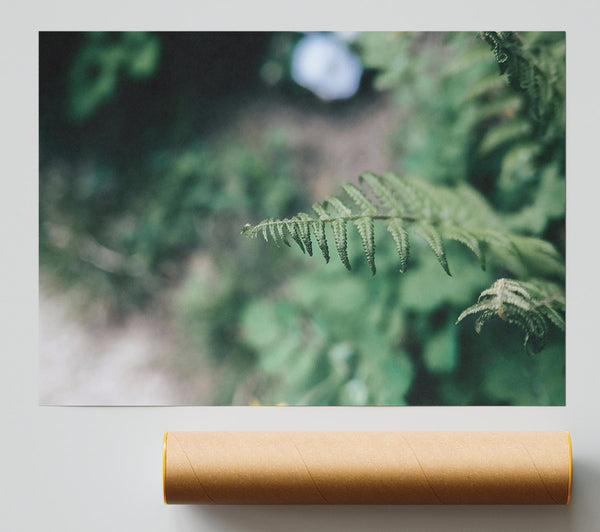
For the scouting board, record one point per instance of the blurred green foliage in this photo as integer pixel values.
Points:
(102, 59)
(143, 192)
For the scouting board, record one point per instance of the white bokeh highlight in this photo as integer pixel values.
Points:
(323, 64)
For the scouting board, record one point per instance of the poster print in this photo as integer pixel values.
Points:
(417, 178)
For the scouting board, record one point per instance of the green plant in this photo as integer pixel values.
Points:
(462, 121)
(142, 197)
(530, 305)
(192, 202)
(435, 213)
(518, 136)
(102, 60)
(531, 68)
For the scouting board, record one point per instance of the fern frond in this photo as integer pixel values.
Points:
(526, 72)
(432, 212)
(533, 306)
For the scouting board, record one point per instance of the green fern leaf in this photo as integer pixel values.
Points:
(274, 233)
(264, 230)
(539, 256)
(340, 232)
(486, 310)
(382, 192)
(363, 203)
(532, 306)
(434, 239)
(400, 236)
(550, 299)
(527, 73)
(338, 206)
(304, 231)
(410, 199)
(434, 212)
(507, 131)
(500, 241)
(320, 211)
(319, 229)
(467, 238)
(555, 318)
(341, 241)
(294, 231)
(367, 237)
(279, 227)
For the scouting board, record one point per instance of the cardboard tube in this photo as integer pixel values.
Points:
(367, 467)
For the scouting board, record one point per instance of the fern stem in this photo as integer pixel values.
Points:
(343, 218)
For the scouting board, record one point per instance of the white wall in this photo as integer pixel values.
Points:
(96, 469)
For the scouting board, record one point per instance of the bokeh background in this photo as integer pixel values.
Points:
(156, 148)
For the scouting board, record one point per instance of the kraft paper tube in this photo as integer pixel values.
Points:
(367, 467)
